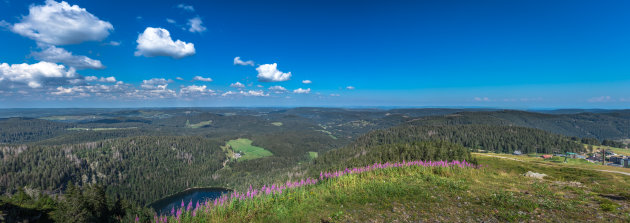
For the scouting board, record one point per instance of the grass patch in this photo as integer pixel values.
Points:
(277, 123)
(313, 155)
(98, 129)
(198, 125)
(247, 150)
(327, 132)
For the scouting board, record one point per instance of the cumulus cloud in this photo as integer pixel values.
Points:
(102, 79)
(59, 23)
(302, 91)
(59, 55)
(179, 78)
(185, 7)
(350, 87)
(200, 78)
(157, 42)
(306, 82)
(237, 85)
(228, 93)
(270, 73)
(36, 75)
(277, 89)
(238, 61)
(171, 21)
(194, 90)
(155, 83)
(195, 25)
(258, 93)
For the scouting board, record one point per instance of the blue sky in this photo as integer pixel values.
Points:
(509, 54)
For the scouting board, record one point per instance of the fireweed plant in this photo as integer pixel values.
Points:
(252, 197)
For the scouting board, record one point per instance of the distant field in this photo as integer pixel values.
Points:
(198, 125)
(98, 129)
(313, 155)
(71, 117)
(327, 132)
(277, 123)
(249, 152)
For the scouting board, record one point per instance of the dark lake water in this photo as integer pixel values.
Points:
(164, 206)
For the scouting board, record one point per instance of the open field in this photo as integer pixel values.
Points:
(71, 117)
(247, 150)
(313, 155)
(98, 129)
(277, 123)
(327, 132)
(198, 125)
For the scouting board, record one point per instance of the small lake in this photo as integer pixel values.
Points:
(164, 205)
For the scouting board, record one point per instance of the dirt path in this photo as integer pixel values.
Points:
(508, 158)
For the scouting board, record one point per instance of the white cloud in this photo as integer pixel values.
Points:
(59, 55)
(58, 23)
(350, 87)
(237, 85)
(185, 7)
(302, 91)
(238, 61)
(179, 78)
(270, 73)
(306, 82)
(481, 99)
(600, 99)
(258, 93)
(196, 25)
(108, 79)
(171, 21)
(76, 91)
(36, 75)
(259, 85)
(277, 89)
(194, 90)
(113, 43)
(102, 79)
(200, 78)
(228, 93)
(157, 42)
(155, 83)
(334, 95)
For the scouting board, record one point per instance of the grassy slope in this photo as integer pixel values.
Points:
(199, 125)
(497, 192)
(250, 151)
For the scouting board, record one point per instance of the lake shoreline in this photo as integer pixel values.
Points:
(183, 192)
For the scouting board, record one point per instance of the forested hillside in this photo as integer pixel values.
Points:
(409, 142)
(141, 169)
(611, 125)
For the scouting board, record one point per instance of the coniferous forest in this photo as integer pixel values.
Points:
(108, 166)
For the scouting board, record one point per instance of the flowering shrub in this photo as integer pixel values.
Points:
(233, 198)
